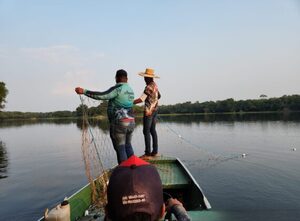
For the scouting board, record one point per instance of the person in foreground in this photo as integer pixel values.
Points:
(135, 193)
(150, 96)
(120, 115)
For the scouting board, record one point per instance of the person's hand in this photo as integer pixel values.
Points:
(79, 90)
(172, 202)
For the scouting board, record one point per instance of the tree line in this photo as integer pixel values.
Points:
(96, 111)
(36, 115)
(284, 103)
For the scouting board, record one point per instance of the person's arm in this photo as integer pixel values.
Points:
(137, 101)
(174, 206)
(141, 99)
(106, 95)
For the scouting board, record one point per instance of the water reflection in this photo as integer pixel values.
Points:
(50, 150)
(103, 124)
(22, 122)
(188, 119)
(3, 161)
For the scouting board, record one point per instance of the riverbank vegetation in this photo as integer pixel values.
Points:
(281, 104)
(3, 94)
(286, 103)
(98, 112)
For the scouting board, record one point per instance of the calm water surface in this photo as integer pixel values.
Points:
(41, 163)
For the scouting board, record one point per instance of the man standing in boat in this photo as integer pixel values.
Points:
(150, 96)
(135, 192)
(120, 115)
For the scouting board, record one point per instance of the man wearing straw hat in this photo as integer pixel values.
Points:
(150, 96)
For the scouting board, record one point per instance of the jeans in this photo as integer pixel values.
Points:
(149, 128)
(121, 135)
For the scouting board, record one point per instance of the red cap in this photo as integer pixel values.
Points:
(133, 160)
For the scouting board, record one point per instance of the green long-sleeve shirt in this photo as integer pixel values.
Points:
(119, 97)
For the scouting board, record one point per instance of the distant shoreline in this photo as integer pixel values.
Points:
(232, 113)
(104, 117)
(285, 104)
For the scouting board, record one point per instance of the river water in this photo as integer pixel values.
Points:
(41, 162)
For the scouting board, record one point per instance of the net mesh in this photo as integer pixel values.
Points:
(97, 153)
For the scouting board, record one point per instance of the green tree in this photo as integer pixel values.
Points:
(3, 94)
(102, 108)
(81, 109)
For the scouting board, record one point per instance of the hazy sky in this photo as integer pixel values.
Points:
(202, 50)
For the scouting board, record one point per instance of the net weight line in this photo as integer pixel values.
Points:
(217, 158)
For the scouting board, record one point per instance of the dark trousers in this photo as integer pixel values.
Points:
(149, 130)
(121, 135)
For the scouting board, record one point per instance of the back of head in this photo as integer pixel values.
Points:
(121, 76)
(134, 192)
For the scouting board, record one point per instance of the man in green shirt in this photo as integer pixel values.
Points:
(119, 111)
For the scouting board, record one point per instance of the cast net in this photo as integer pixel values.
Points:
(97, 151)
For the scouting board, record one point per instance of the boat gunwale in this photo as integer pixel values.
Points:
(170, 160)
(206, 202)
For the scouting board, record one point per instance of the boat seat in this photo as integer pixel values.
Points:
(172, 175)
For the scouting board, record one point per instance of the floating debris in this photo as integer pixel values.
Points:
(244, 155)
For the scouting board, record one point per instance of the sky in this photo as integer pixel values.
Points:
(202, 50)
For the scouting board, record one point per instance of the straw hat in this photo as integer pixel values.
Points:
(148, 73)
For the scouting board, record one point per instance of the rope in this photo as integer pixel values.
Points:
(215, 156)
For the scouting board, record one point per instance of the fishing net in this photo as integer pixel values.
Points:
(97, 151)
(99, 156)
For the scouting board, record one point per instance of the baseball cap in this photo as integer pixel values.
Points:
(134, 187)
